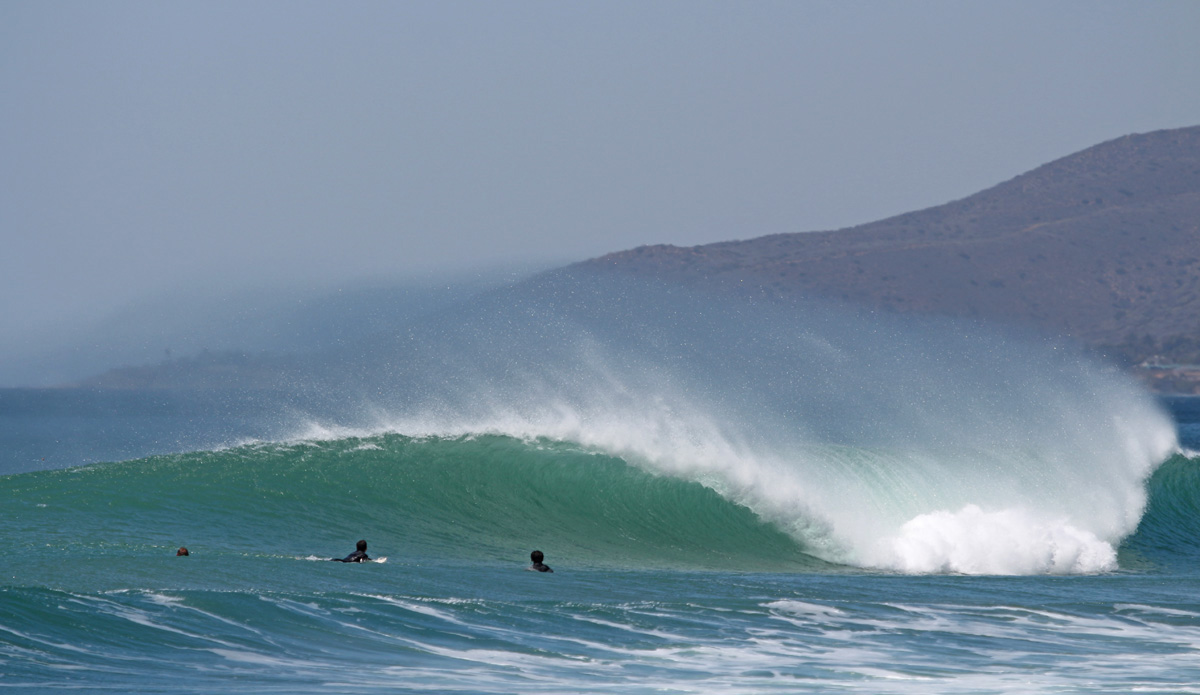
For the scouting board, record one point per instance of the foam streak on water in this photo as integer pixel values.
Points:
(760, 637)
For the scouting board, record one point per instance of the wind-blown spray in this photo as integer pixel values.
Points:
(918, 445)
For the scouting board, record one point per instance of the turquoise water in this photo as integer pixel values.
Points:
(432, 627)
(660, 583)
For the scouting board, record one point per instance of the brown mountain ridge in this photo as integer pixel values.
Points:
(1102, 246)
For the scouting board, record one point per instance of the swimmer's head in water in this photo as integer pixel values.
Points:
(537, 556)
(362, 545)
(181, 551)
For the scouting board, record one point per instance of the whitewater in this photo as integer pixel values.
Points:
(737, 495)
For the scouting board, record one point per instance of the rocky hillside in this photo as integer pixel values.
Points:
(1102, 246)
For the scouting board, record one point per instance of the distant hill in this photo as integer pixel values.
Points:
(1102, 246)
(263, 371)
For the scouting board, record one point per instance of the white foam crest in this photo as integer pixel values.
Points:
(178, 603)
(1009, 541)
(1060, 508)
(245, 656)
(805, 609)
(314, 431)
(144, 618)
(1155, 610)
(417, 606)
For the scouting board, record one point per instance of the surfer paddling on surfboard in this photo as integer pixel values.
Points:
(359, 555)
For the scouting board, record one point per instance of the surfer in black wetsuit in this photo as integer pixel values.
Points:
(538, 565)
(359, 555)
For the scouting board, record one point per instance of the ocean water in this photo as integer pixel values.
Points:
(811, 502)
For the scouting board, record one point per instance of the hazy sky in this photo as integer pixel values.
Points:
(146, 146)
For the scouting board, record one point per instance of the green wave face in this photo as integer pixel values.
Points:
(477, 499)
(1169, 532)
(487, 498)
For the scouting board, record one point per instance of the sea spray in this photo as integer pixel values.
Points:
(912, 444)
